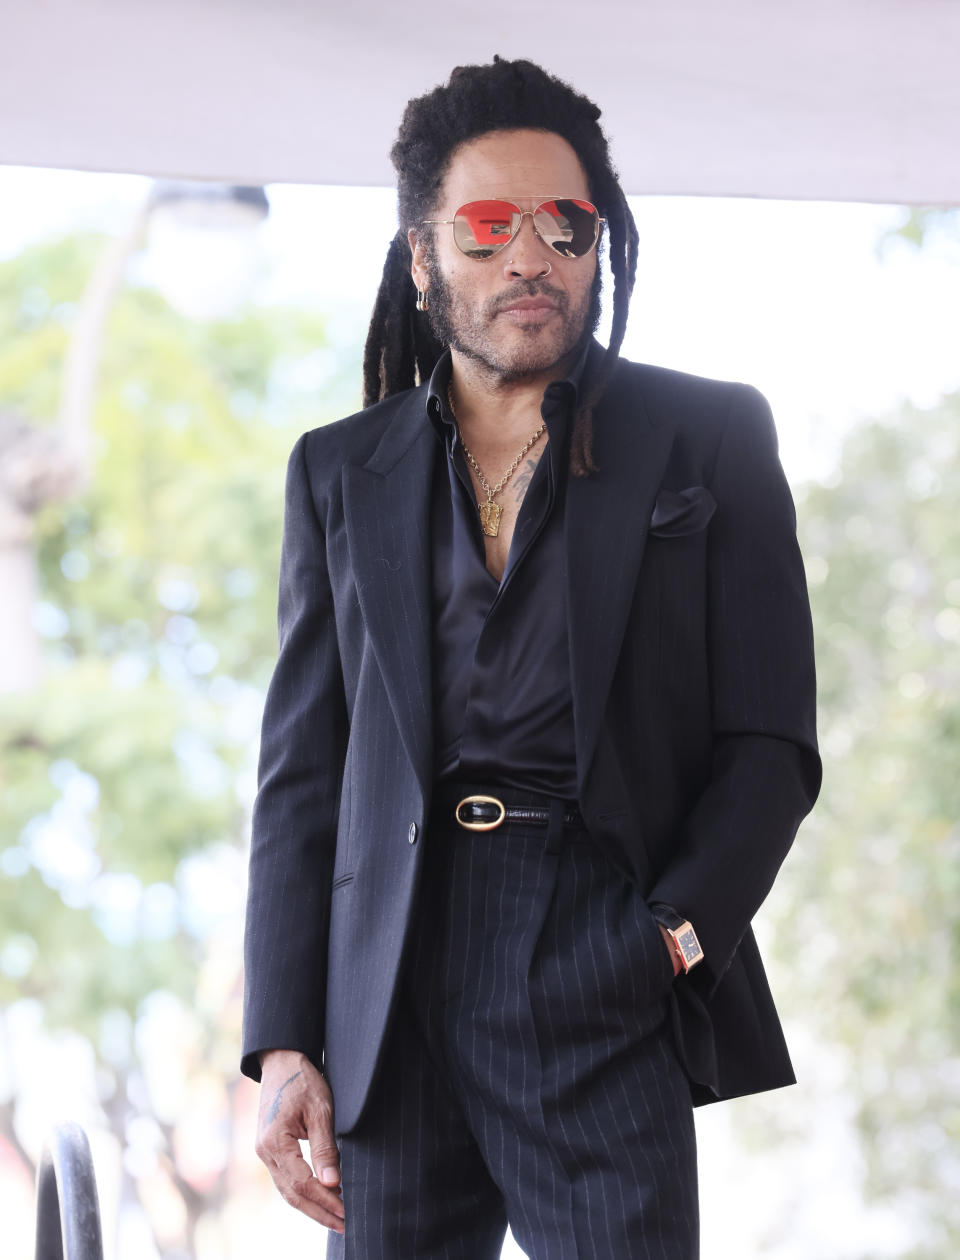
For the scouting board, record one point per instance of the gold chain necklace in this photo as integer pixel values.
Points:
(490, 511)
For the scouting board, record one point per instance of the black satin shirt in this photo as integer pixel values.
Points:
(503, 702)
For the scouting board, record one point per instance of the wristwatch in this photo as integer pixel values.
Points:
(681, 933)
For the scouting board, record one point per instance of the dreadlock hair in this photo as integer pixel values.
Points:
(401, 349)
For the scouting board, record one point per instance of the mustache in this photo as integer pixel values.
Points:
(528, 289)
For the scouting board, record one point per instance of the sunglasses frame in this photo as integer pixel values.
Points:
(533, 223)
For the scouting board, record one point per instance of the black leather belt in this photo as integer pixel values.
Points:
(485, 813)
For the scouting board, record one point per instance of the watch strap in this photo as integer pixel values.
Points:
(681, 931)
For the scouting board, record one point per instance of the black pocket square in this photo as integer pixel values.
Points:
(679, 512)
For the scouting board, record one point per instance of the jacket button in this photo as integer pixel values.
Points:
(412, 833)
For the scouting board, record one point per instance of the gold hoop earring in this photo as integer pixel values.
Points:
(423, 302)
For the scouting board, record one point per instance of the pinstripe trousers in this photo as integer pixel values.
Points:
(529, 1074)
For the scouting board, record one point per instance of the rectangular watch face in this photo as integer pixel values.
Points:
(689, 945)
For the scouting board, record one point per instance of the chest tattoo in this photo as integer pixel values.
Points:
(522, 481)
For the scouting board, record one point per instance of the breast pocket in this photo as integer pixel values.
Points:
(682, 513)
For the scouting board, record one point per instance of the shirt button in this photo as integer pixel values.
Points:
(412, 833)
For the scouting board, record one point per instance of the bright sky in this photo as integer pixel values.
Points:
(792, 297)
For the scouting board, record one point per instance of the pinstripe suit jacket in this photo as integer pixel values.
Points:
(693, 687)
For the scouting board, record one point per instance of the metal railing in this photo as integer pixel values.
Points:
(68, 1212)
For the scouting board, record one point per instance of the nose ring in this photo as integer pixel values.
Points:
(548, 267)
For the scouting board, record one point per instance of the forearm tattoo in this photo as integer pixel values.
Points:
(275, 1105)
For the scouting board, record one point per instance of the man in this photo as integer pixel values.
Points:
(540, 734)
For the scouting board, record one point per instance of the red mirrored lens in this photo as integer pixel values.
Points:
(568, 225)
(480, 228)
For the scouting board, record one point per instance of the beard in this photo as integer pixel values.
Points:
(467, 328)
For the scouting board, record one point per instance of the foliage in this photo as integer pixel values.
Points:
(920, 225)
(876, 882)
(125, 778)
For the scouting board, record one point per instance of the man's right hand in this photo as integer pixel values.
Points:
(295, 1103)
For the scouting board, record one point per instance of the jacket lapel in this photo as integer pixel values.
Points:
(386, 505)
(607, 518)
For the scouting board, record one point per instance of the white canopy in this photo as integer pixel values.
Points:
(824, 99)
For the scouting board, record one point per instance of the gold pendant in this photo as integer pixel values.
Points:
(490, 518)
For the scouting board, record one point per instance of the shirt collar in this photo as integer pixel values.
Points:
(559, 397)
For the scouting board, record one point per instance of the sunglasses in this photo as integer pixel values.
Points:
(568, 225)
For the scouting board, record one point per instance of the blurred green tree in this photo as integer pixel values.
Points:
(125, 777)
(870, 941)
(923, 225)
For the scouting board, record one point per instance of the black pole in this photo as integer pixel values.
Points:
(68, 1213)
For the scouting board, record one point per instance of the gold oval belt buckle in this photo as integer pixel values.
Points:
(480, 800)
